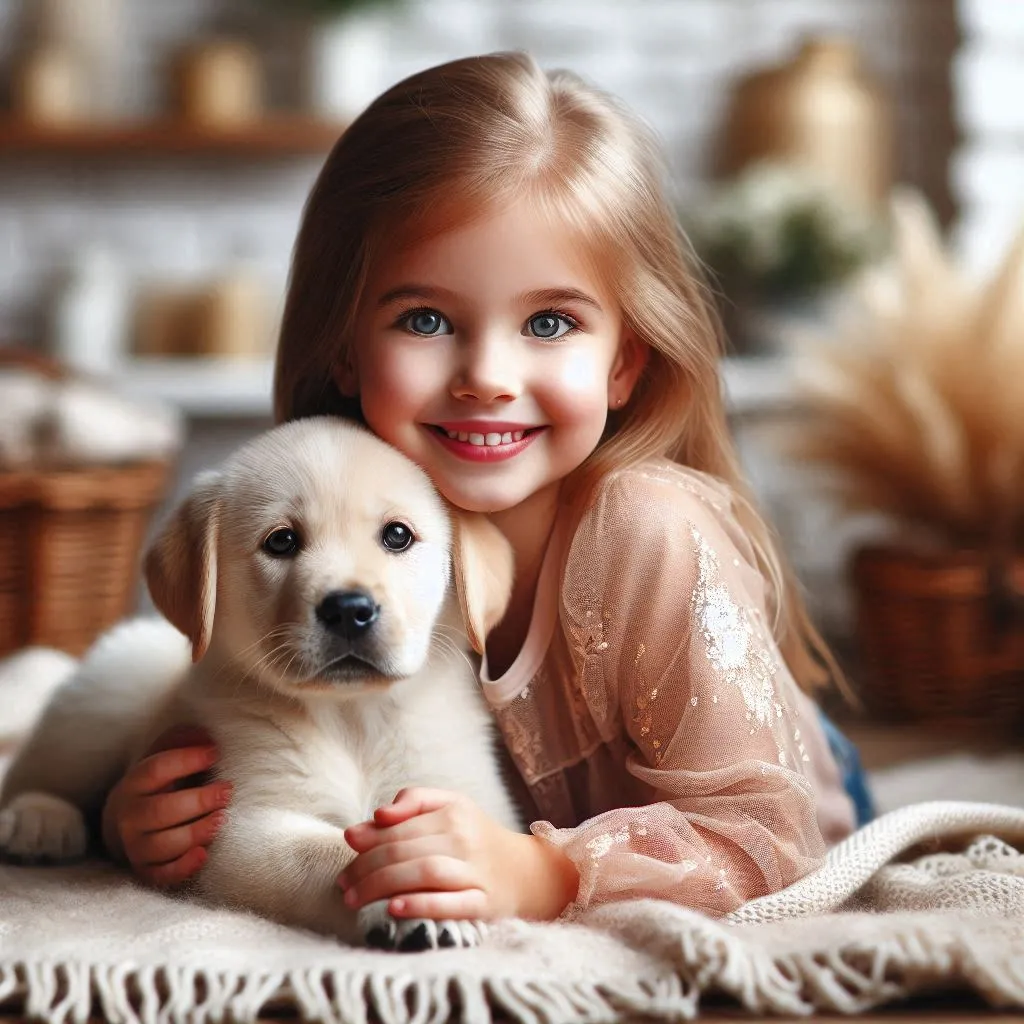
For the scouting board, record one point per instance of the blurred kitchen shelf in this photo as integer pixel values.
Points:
(274, 136)
(239, 388)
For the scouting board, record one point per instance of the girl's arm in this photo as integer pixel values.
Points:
(677, 642)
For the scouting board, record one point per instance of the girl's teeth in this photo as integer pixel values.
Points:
(492, 439)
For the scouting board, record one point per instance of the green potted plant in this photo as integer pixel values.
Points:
(778, 243)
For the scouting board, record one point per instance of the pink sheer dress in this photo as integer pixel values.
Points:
(659, 738)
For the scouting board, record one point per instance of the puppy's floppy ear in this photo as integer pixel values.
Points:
(484, 566)
(181, 564)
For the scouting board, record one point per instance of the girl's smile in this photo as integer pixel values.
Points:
(485, 440)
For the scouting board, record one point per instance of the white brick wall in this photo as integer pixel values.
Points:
(670, 59)
(988, 168)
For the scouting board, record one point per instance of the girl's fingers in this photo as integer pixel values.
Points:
(162, 876)
(434, 873)
(367, 835)
(167, 810)
(160, 770)
(392, 814)
(390, 854)
(464, 904)
(154, 848)
(418, 800)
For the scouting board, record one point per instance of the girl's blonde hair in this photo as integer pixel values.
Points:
(442, 147)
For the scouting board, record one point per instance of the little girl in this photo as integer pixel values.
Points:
(489, 275)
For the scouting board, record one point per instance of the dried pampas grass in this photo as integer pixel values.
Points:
(916, 401)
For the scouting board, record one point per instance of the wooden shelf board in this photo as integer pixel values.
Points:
(274, 136)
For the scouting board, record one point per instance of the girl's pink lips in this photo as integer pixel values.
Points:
(484, 452)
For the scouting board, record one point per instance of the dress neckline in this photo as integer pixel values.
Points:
(538, 634)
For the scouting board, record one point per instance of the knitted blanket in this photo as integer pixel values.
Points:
(865, 929)
(928, 896)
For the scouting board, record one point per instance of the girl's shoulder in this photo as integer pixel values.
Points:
(664, 508)
(660, 487)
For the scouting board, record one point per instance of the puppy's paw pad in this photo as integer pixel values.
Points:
(381, 936)
(38, 827)
(416, 936)
(461, 934)
(377, 926)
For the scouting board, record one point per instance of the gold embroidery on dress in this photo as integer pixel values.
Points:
(733, 642)
(601, 844)
(643, 716)
(524, 744)
(591, 644)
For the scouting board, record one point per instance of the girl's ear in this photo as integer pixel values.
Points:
(181, 564)
(629, 364)
(484, 566)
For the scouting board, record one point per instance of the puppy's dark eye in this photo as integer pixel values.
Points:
(282, 543)
(396, 536)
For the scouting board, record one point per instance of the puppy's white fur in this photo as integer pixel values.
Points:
(314, 728)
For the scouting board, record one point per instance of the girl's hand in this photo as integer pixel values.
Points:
(435, 854)
(160, 828)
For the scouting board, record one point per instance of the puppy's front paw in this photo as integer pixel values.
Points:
(377, 926)
(416, 935)
(419, 934)
(40, 828)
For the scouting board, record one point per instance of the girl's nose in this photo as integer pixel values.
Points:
(487, 372)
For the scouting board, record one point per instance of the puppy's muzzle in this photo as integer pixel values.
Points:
(348, 613)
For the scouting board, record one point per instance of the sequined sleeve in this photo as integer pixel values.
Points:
(686, 667)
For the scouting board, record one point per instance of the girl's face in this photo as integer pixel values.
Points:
(490, 356)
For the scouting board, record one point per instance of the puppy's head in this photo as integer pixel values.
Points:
(318, 556)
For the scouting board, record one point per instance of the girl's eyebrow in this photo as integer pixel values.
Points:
(414, 291)
(554, 296)
(540, 297)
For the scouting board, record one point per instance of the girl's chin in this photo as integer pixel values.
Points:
(477, 502)
(473, 496)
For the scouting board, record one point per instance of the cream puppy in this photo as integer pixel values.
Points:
(325, 602)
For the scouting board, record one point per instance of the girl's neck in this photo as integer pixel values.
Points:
(528, 528)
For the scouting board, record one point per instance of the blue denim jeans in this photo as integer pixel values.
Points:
(854, 777)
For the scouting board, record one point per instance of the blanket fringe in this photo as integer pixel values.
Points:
(849, 979)
(10, 983)
(126, 994)
(717, 959)
(861, 976)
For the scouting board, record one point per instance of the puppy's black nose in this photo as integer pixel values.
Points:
(348, 612)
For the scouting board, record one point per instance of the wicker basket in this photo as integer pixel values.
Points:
(941, 636)
(70, 542)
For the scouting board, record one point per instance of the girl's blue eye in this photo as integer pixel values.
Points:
(426, 322)
(550, 325)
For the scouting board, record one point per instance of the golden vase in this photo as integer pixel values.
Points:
(820, 112)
